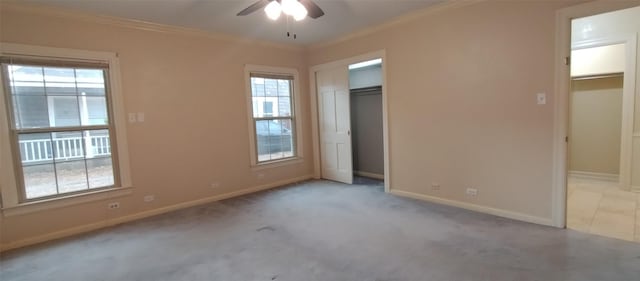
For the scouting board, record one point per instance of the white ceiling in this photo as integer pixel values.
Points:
(341, 16)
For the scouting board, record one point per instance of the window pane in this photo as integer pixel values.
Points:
(39, 180)
(71, 176)
(274, 139)
(286, 138)
(67, 146)
(284, 106)
(58, 74)
(100, 172)
(35, 148)
(91, 89)
(30, 112)
(36, 156)
(271, 87)
(267, 108)
(257, 87)
(284, 89)
(61, 89)
(27, 88)
(25, 73)
(90, 75)
(64, 110)
(262, 139)
(97, 143)
(94, 111)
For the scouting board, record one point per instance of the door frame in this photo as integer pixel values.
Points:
(380, 54)
(561, 97)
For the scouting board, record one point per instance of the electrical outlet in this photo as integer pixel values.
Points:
(113, 205)
(149, 198)
(472, 191)
(132, 117)
(260, 176)
(214, 185)
(435, 186)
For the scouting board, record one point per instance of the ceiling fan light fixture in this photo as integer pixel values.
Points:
(300, 12)
(288, 6)
(273, 10)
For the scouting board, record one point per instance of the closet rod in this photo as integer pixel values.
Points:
(597, 76)
(367, 91)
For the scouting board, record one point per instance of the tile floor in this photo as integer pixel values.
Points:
(602, 208)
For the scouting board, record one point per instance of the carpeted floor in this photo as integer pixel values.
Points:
(327, 231)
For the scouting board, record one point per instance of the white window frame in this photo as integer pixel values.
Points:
(295, 114)
(9, 188)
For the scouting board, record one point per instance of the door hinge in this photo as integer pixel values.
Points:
(567, 60)
(566, 139)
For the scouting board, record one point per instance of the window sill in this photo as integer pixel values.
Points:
(59, 202)
(277, 163)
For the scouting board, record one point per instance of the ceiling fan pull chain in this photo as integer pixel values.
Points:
(293, 30)
(287, 24)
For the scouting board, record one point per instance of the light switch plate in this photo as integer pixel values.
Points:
(132, 117)
(542, 98)
(140, 116)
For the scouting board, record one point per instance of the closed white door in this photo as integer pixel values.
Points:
(335, 124)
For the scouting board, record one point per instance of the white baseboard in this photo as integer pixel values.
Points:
(369, 175)
(595, 176)
(475, 207)
(111, 222)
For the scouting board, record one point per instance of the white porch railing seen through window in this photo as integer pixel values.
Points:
(40, 150)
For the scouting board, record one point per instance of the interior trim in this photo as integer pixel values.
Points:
(369, 175)
(475, 207)
(595, 176)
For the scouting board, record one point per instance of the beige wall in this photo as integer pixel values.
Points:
(596, 123)
(191, 89)
(462, 87)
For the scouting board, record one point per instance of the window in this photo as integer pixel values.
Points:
(60, 123)
(267, 108)
(272, 112)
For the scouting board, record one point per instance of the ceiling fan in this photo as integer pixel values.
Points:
(298, 9)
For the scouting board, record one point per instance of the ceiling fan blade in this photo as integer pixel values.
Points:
(254, 7)
(313, 9)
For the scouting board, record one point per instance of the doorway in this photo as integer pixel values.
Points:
(349, 120)
(365, 91)
(601, 189)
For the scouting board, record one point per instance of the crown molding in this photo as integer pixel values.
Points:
(44, 10)
(402, 19)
